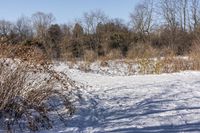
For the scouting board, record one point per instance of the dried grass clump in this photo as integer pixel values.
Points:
(27, 93)
(141, 50)
(113, 54)
(90, 56)
(195, 54)
(31, 54)
(174, 64)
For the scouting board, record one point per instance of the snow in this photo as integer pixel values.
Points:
(124, 67)
(113, 102)
(138, 103)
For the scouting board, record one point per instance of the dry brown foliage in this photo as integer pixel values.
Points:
(26, 95)
(25, 53)
(141, 50)
(195, 54)
(90, 56)
(28, 88)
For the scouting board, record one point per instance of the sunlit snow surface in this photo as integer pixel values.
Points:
(140, 103)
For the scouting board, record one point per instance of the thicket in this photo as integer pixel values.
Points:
(155, 29)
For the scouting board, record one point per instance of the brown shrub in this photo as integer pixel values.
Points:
(141, 50)
(195, 54)
(27, 93)
(113, 54)
(24, 53)
(90, 56)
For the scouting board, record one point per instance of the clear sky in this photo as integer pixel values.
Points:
(65, 10)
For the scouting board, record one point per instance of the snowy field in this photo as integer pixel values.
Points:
(140, 103)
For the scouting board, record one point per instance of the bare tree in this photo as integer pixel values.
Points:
(23, 28)
(195, 13)
(182, 14)
(54, 35)
(169, 11)
(185, 9)
(5, 28)
(41, 22)
(66, 29)
(92, 19)
(142, 17)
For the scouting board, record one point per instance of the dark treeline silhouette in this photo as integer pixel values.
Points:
(155, 28)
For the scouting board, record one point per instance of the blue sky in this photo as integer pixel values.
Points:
(65, 10)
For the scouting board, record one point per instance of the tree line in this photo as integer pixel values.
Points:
(154, 26)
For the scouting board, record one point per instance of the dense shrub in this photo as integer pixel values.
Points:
(30, 90)
(26, 99)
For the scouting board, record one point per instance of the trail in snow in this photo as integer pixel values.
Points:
(149, 103)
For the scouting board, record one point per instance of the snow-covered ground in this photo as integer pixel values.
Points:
(140, 103)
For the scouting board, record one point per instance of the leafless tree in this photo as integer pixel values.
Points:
(142, 17)
(66, 29)
(182, 11)
(24, 28)
(5, 28)
(169, 11)
(54, 35)
(195, 13)
(41, 22)
(92, 19)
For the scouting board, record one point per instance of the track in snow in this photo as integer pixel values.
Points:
(151, 103)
